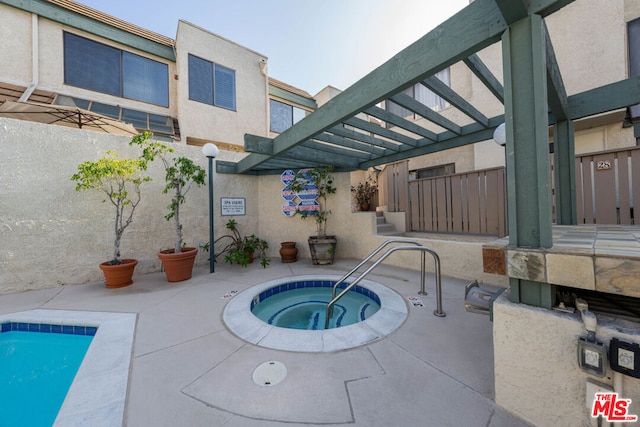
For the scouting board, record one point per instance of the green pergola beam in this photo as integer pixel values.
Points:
(439, 88)
(400, 122)
(473, 28)
(379, 130)
(368, 139)
(605, 98)
(350, 143)
(333, 149)
(557, 94)
(422, 110)
(487, 78)
(564, 172)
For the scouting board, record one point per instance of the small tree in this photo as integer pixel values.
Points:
(181, 174)
(322, 179)
(119, 179)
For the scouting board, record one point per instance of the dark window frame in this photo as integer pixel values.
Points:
(215, 94)
(76, 80)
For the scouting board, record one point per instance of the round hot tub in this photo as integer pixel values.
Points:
(289, 314)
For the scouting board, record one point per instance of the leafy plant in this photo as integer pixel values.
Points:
(119, 179)
(322, 179)
(241, 250)
(364, 191)
(181, 173)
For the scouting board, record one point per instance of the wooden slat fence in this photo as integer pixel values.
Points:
(465, 203)
(607, 185)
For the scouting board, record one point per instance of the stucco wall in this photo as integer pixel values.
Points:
(53, 235)
(15, 49)
(536, 370)
(205, 121)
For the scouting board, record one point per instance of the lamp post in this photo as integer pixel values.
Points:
(211, 151)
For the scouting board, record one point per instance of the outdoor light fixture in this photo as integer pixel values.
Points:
(211, 151)
(500, 135)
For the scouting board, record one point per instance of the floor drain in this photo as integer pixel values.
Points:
(269, 373)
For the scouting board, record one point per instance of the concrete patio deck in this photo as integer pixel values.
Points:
(188, 369)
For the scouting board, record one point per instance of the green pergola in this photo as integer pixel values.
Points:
(533, 96)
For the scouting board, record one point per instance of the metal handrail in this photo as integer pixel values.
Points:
(371, 255)
(438, 312)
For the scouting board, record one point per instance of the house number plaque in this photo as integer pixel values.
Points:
(603, 165)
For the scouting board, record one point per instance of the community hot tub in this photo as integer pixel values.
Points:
(379, 312)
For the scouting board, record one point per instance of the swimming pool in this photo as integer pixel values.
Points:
(302, 305)
(42, 358)
(98, 392)
(239, 319)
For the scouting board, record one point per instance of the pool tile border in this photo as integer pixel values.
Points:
(241, 322)
(98, 393)
(47, 328)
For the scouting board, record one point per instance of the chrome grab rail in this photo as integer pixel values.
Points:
(438, 312)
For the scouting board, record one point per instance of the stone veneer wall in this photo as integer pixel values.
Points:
(536, 366)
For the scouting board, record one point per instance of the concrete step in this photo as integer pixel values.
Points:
(386, 229)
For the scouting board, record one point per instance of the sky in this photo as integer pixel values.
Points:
(310, 44)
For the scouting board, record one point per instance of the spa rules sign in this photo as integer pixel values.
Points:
(304, 200)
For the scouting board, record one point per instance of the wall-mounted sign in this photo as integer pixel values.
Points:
(233, 206)
(603, 165)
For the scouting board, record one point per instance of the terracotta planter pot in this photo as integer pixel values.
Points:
(178, 267)
(288, 252)
(119, 276)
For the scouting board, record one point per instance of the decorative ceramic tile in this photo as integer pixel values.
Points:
(571, 270)
(618, 276)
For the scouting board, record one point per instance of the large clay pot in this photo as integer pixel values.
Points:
(323, 249)
(178, 267)
(120, 275)
(288, 252)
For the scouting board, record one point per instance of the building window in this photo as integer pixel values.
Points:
(420, 93)
(434, 171)
(211, 83)
(101, 68)
(283, 116)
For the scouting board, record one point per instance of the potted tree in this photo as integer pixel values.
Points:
(119, 179)
(242, 250)
(319, 180)
(181, 174)
(363, 193)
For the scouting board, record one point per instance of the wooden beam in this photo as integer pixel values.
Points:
(423, 111)
(564, 172)
(512, 10)
(258, 144)
(557, 93)
(483, 73)
(379, 130)
(401, 122)
(368, 139)
(605, 98)
(439, 88)
(356, 145)
(473, 28)
(338, 150)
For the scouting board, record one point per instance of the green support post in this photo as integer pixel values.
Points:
(527, 150)
(565, 173)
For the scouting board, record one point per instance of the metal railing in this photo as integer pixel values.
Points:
(418, 246)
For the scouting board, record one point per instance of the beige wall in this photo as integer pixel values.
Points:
(15, 49)
(536, 371)
(53, 235)
(201, 120)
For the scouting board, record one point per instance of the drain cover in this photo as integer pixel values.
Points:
(269, 373)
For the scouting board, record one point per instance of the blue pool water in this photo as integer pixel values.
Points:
(302, 305)
(37, 369)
